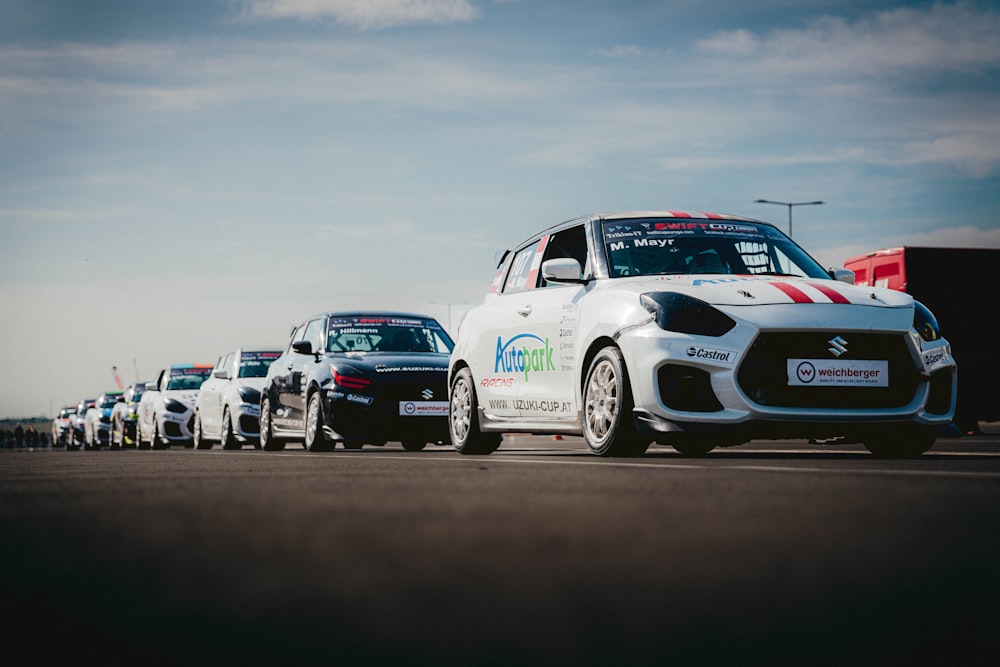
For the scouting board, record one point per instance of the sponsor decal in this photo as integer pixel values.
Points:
(363, 400)
(711, 354)
(408, 369)
(515, 356)
(541, 406)
(423, 408)
(935, 358)
(497, 382)
(837, 373)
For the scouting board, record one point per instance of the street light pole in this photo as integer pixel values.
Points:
(789, 205)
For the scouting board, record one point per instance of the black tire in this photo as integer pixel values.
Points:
(139, 442)
(268, 441)
(414, 445)
(463, 418)
(901, 443)
(229, 440)
(315, 438)
(696, 446)
(608, 426)
(353, 444)
(198, 434)
(154, 438)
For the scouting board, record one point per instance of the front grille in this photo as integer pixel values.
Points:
(763, 375)
(381, 419)
(172, 429)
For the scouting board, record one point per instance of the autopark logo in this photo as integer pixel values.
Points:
(805, 372)
(524, 353)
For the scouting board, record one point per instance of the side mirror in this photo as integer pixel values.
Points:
(302, 347)
(151, 386)
(221, 373)
(562, 270)
(843, 275)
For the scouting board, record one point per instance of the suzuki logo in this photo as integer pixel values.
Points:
(839, 346)
(427, 394)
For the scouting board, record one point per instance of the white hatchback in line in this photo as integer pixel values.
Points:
(227, 410)
(165, 414)
(693, 330)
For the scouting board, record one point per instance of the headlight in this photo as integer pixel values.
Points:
(685, 314)
(345, 377)
(249, 395)
(174, 406)
(924, 322)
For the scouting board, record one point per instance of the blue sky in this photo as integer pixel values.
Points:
(178, 178)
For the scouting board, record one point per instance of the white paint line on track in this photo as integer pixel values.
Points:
(713, 465)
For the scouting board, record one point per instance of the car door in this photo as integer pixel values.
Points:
(549, 311)
(210, 400)
(290, 412)
(497, 356)
(147, 407)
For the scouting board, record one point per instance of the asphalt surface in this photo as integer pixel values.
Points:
(770, 553)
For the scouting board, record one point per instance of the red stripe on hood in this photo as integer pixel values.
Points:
(830, 293)
(793, 292)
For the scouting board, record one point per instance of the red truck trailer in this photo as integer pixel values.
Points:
(957, 285)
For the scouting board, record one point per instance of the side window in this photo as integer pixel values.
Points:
(227, 364)
(517, 277)
(314, 334)
(571, 243)
(296, 335)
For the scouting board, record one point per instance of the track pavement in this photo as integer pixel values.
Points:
(770, 553)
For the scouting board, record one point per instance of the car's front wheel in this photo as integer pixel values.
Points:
(229, 440)
(463, 418)
(608, 426)
(268, 441)
(903, 443)
(414, 445)
(154, 437)
(198, 433)
(315, 437)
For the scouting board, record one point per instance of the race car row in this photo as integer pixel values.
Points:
(692, 330)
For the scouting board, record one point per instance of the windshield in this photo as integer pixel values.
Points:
(188, 378)
(109, 400)
(254, 364)
(386, 334)
(661, 246)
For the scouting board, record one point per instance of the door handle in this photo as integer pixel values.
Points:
(524, 311)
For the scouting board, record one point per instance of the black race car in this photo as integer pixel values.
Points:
(359, 378)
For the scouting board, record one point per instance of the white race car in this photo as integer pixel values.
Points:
(165, 414)
(228, 406)
(693, 330)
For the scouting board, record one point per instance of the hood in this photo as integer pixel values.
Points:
(186, 396)
(728, 290)
(253, 383)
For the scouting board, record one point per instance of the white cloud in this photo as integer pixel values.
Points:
(732, 42)
(364, 14)
(622, 51)
(943, 38)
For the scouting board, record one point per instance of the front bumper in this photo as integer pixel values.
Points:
(736, 387)
(389, 416)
